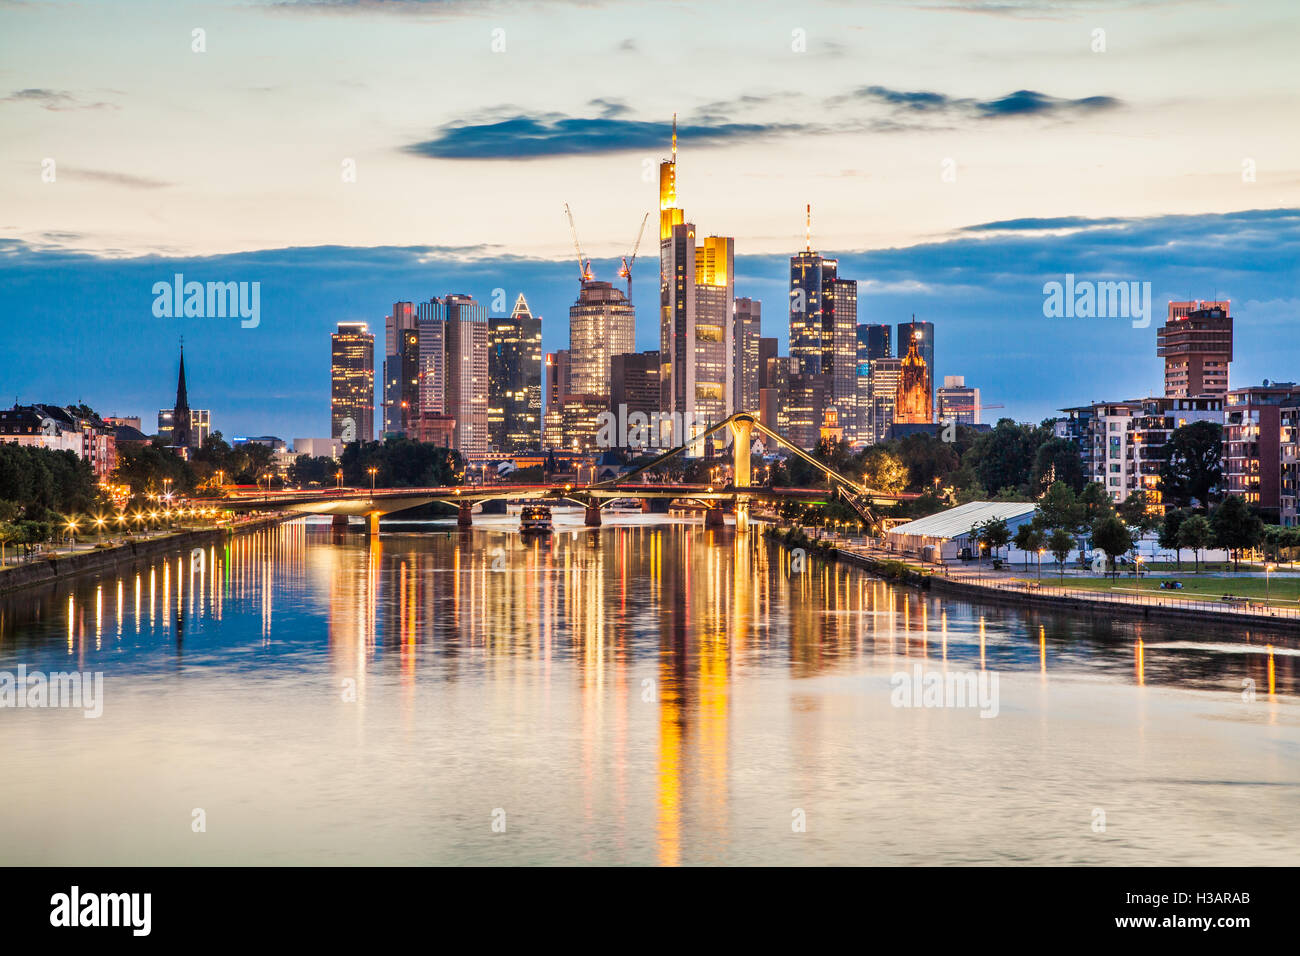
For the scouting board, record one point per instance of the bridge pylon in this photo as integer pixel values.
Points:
(742, 430)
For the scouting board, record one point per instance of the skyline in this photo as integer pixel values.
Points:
(1123, 164)
(274, 379)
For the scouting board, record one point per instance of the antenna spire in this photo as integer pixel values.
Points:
(807, 228)
(674, 137)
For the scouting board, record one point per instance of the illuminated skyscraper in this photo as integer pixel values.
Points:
(696, 320)
(467, 373)
(401, 319)
(748, 330)
(883, 390)
(823, 336)
(602, 323)
(352, 382)
(515, 380)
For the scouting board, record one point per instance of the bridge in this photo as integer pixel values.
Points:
(741, 493)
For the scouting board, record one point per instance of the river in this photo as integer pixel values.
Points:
(645, 693)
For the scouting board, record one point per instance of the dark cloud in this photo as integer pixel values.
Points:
(1040, 225)
(554, 134)
(1019, 103)
(56, 100)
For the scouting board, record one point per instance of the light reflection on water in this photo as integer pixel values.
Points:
(647, 693)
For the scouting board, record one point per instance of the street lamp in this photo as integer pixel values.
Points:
(338, 477)
(1269, 568)
(1040, 564)
(372, 471)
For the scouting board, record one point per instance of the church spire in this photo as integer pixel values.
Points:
(181, 434)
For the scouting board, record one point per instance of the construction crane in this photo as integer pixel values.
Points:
(584, 265)
(626, 271)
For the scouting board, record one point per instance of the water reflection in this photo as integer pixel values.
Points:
(675, 671)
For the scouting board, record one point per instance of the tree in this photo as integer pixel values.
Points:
(1095, 503)
(1029, 537)
(883, 471)
(1168, 539)
(1059, 508)
(1235, 527)
(307, 469)
(1113, 536)
(995, 534)
(1192, 466)
(1195, 533)
(1058, 460)
(1137, 513)
(1006, 454)
(1060, 542)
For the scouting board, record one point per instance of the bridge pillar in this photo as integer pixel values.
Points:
(339, 521)
(372, 520)
(465, 516)
(713, 518)
(742, 439)
(592, 518)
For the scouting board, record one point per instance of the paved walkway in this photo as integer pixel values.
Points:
(1013, 579)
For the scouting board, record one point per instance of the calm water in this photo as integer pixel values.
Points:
(646, 693)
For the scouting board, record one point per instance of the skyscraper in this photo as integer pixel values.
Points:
(352, 382)
(467, 373)
(748, 331)
(823, 335)
(431, 322)
(885, 375)
(1196, 344)
(873, 343)
(958, 402)
(696, 320)
(557, 388)
(515, 380)
(602, 323)
(401, 319)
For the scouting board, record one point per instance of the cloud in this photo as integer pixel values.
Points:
(55, 100)
(1020, 103)
(111, 178)
(553, 134)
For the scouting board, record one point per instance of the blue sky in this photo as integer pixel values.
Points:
(1168, 155)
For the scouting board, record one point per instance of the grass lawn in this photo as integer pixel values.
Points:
(1283, 592)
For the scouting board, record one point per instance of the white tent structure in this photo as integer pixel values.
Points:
(944, 536)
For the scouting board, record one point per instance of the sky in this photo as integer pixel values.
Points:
(346, 155)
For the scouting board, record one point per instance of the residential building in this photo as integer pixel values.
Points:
(1252, 443)
(1196, 344)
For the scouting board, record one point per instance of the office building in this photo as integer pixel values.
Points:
(466, 385)
(634, 380)
(958, 402)
(515, 380)
(602, 323)
(557, 387)
(696, 320)
(352, 382)
(884, 377)
(396, 369)
(745, 360)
